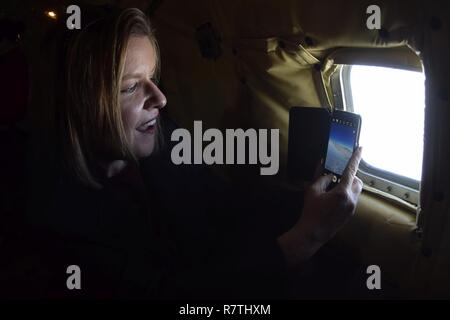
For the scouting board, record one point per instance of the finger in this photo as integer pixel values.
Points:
(318, 171)
(351, 169)
(322, 183)
(357, 186)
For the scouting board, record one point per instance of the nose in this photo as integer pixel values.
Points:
(155, 98)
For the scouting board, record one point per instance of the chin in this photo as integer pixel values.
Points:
(144, 150)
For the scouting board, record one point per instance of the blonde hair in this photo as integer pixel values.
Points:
(89, 115)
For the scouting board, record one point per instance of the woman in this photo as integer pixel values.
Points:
(129, 218)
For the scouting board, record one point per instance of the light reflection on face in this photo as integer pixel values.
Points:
(140, 98)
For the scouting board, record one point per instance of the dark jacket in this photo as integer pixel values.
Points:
(160, 231)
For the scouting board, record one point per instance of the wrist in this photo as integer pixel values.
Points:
(298, 245)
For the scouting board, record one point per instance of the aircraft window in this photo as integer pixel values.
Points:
(391, 103)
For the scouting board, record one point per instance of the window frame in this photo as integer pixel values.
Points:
(404, 188)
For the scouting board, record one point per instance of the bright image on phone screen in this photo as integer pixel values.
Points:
(343, 135)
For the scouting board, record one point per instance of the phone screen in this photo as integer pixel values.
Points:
(341, 143)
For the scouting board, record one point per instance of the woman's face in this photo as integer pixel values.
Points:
(140, 98)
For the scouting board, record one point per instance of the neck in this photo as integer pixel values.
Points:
(115, 167)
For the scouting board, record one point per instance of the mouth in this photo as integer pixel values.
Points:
(147, 127)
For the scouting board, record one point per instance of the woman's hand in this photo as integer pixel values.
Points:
(324, 213)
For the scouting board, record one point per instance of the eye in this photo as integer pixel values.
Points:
(130, 89)
(155, 80)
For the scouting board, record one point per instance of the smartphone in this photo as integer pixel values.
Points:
(342, 141)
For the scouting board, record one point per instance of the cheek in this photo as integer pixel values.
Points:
(130, 116)
(141, 145)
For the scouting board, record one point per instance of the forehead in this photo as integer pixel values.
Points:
(141, 55)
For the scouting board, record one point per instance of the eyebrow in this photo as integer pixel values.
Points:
(136, 75)
(132, 76)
